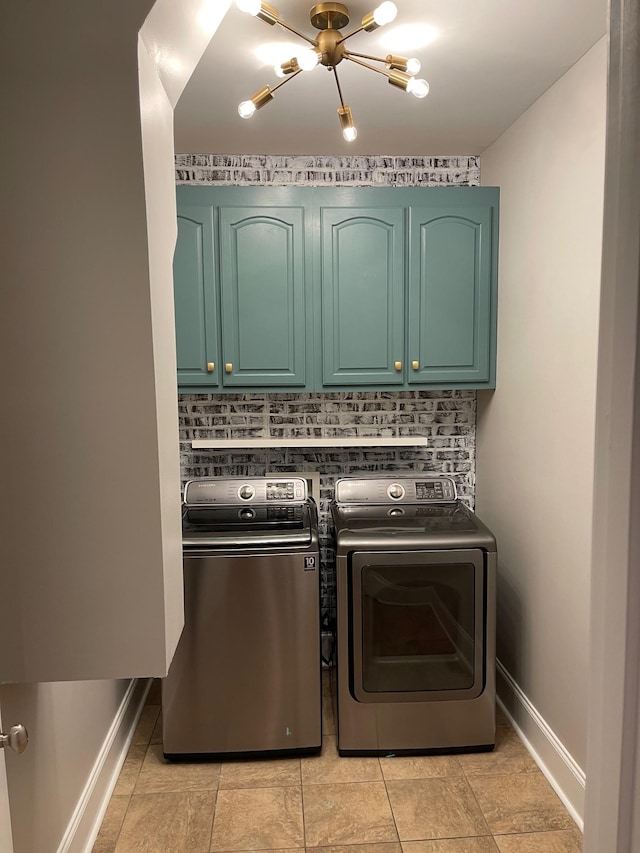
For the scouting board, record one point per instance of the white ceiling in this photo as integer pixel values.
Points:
(490, 61)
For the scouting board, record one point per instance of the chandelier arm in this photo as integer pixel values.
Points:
(286, 79)
(296, 32)
(351, 58)
(348, 35)
(335, 74)
(349, 53)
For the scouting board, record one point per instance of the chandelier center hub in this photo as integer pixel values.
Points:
(331, 52)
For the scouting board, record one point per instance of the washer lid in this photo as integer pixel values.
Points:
(246, 526)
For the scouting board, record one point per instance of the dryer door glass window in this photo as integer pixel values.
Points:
(418, 624)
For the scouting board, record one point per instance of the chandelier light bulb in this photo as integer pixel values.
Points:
(252, 7)
(246, 109)
(385, 13)
(307, 59)
(419, 88)
(346, 123)
(413, 66)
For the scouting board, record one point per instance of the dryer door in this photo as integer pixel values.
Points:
(418, 625)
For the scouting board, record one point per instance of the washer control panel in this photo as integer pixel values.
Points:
(230, 491)
(401, 490)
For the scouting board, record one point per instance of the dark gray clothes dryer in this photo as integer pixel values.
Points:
(416, 611)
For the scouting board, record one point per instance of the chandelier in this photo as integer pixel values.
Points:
(329, 50)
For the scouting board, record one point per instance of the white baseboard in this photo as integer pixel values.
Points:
(564, 774)
(87, 817)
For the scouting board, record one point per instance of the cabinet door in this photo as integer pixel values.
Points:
(262, 277)
(195, 298)
(450, 293)
(362, 258)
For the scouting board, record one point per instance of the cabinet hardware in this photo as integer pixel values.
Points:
(398, 365)
(211, 366)
(415, 365)
(228, 367)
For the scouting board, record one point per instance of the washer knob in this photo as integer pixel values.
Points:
(246, 492)
(395, 491)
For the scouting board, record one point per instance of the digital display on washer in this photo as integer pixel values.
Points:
(431, 490)
(283, 490)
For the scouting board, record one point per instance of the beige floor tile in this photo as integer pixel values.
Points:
(168, 823)
(347, 813)
(130, 771)
(111, 825)
(391, 847)
(484, 844)
(146, 724)
(520, 802)
(435, 808)
(509, 756)
(565, 841)
(328, 768)
(282, 772)
(258, 819)
(159, 776)
(420, 766)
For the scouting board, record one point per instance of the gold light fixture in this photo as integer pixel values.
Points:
(329, 50)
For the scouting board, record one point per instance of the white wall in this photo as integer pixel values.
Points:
(87, 341)
(536, 431)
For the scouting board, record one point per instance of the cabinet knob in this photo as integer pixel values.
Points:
(398, 365)
(211, 366)
(415, 365)
(228, 367)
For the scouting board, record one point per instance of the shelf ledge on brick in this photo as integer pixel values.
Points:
(351, 441)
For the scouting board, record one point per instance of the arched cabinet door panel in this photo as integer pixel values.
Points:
(263, 299)
(194, 275)
(362, 282)
(450, 295)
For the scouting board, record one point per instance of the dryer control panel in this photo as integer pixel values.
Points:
(400, 490)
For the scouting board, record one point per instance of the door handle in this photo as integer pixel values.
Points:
(415, 365)
(228, 368)
(398, 365)
(211, 366)
(17, 738)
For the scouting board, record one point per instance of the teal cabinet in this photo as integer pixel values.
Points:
(362, 296)
(450, 294)
(262, 283)
(196, 310)
(312, 289)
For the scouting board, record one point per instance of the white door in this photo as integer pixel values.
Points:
(6, 841)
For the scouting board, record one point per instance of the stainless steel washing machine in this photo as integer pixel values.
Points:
(246, 678)
(416, 611)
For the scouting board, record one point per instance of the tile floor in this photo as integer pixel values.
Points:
(482, 803)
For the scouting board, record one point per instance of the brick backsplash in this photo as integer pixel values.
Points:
(446, 418)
